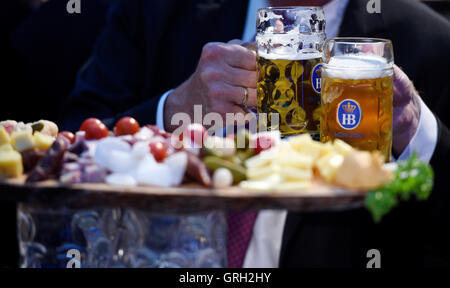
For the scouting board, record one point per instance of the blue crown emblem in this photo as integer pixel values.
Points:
(349, 114)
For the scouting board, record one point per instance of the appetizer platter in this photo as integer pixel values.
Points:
(146, 168)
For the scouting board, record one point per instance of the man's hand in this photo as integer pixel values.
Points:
(406, 111)
(218, 84)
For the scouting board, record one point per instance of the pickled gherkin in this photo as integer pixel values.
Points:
(213, 163)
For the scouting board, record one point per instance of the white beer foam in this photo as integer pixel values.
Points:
(305, 55)
(357, 67)
(285, 46)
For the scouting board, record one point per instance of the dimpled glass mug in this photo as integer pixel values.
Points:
(289, 54)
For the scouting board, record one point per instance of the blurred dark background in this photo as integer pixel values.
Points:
(44, 47)
(440, 6)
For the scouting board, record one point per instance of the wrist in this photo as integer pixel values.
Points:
(174, 104)
(403, 140)
(404, 135)
(169, 111)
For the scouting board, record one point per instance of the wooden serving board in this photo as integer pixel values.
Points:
(184, 199)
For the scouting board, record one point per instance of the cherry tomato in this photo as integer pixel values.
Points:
(126, 126)
(69, 135)
(264, 142)
(196, 132)
(94, 128)
(159, 151)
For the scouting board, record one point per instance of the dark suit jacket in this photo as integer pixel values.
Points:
(45, 54)
(43, 50)
(149, 47)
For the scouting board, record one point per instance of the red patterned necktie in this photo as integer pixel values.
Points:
(240, 228)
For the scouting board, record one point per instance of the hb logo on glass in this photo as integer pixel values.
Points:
(73, 6)
(316, 78)
(349, 114)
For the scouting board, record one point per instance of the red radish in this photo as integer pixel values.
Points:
(9, 129)
(265, 142)
(158, 132)
(69, 135)
(196, 133)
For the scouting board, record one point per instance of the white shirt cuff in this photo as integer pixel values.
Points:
(265, 245)
(160, 111)
(425, 140)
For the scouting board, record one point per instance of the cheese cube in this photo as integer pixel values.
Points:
(342, 147)
(295, 159)
(297, 142)
(329, 164)
(326, 148)
(4, 136)
(295, 174)
(6, 148)
(313, 149)
(22, 140)
(267, 184)
(299, 186)
(261, 173)
(263, 159)
(10, 164)
(42, 141)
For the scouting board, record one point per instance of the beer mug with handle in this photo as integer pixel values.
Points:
(357, 93)
(289, 54)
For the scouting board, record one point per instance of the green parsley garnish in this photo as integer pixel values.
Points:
(412, 177)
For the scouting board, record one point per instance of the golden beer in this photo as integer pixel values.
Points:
(289, 44)
(290, 88)
(357, 104)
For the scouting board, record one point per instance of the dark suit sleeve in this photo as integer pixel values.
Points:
(438, 216)
(110, 85)
(440, 197)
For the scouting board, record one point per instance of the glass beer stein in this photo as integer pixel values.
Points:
(357, 93)
(289, 54)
